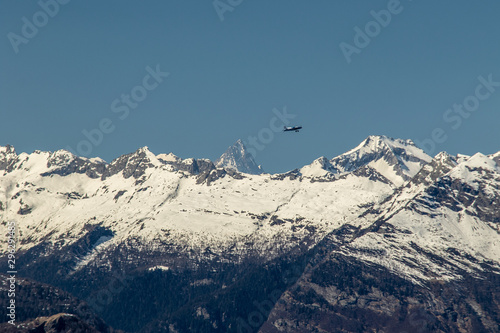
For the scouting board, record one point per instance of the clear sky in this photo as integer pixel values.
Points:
(72, 69)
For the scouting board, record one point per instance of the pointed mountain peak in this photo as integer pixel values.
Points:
(320, 167)
(379, 142)
(134, 164)
(478, 167)
(61, 157)
(445, 158)
(238, 158)
(97, 160)
(8, 157)
(144, 151)
(141, 155)
(495, 157)
(479, 160)
(146, 154)
(440, 165)
(323, 161)
(7, 149)
(396, 159)
(170, 157)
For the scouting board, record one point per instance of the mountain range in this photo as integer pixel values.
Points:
(382, 238)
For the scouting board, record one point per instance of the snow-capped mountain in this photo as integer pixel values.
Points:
(495, 157)
(456, 217)
(372, 233)
(393, 159)
(237, 157)
(201, 202)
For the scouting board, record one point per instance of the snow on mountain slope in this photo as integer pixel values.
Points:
(319, 168)
(170, 157)
(160, 198)
(365, 234)
(397, 160)
(238, 158)
(438, 231)
(449, 203)
(495, 157)
(441, 164)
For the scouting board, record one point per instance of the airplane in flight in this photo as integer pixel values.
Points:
(292, 128)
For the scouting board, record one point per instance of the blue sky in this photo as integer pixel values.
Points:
(227, 76)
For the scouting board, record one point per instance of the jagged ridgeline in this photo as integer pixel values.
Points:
(383, 238)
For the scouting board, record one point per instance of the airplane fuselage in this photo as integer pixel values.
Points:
(292, 129)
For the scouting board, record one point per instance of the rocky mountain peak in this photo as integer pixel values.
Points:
(237, 157)
(496, 157)
(320, 167)
(476, 168)
(7, 157)
(480, 160)
(396, 159)
(7, 149)
(133, 164)
(170, 157)
(185, 227)
(440, 165)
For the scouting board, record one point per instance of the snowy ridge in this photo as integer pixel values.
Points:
(402, 202)
(129, 192)
(449, 210)
(495, 157)
(394, 159)
(320, 167)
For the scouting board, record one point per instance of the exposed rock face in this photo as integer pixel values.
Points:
(438, 167)
(394, 161)
(496, 157)
(386, 155)
(54, 310)
(345, 295)
(67, 164)
(58, 323)
(131, 165)
(156, 243)
(8, 157)
(193, 166)
(238, 158)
